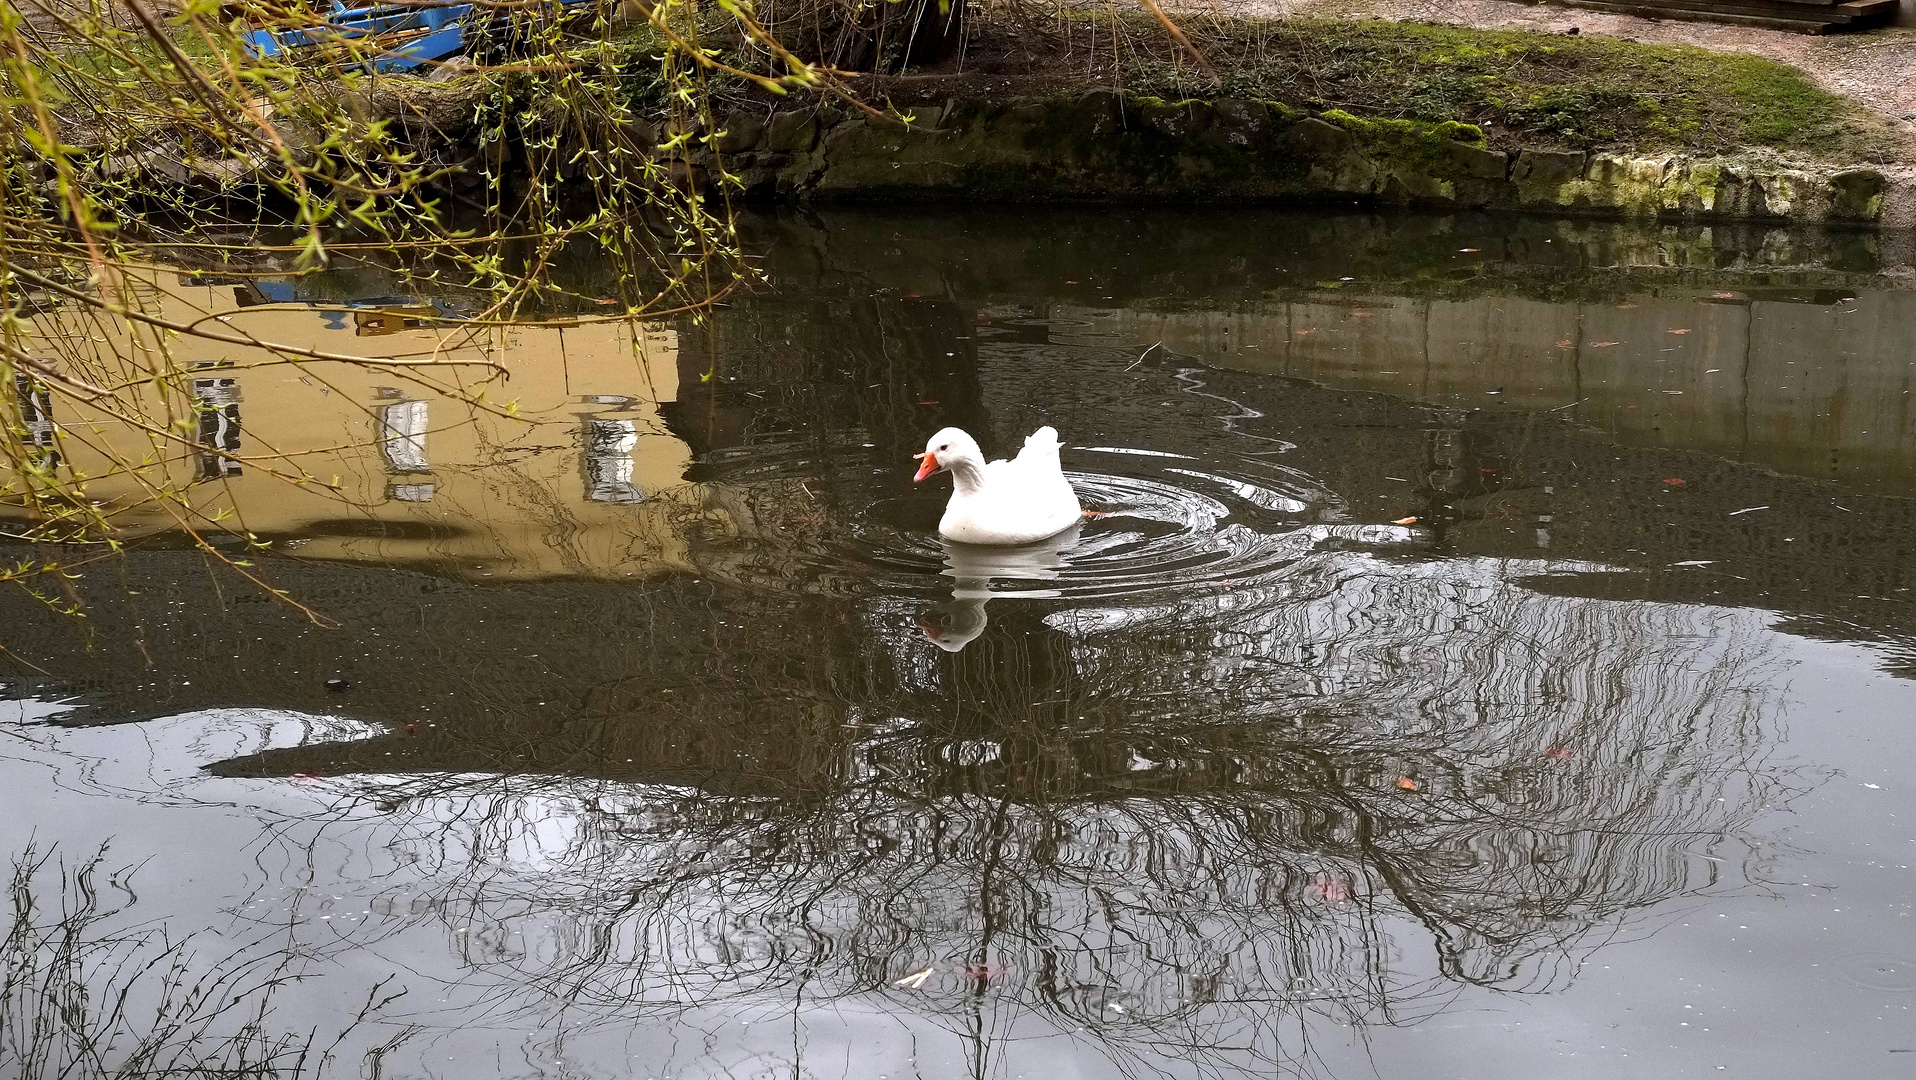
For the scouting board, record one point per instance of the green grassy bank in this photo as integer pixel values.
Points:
(1520, 87)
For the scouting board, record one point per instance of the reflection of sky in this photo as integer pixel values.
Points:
(555, 861)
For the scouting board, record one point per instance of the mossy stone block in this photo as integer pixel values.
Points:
(1029, 114)
(1179, 120)
(1548, 176)
(1632, 185)
(1857, 195)
(1737, 192)
(1476, 162)
(1702, 186)
(1406, 185)
(1241, 123)
(1101, 112)
(793, 132)
(1335, 162)
(1673, 195)
(743, 131)
(1794, 193)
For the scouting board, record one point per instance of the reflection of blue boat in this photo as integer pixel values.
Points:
(371, 315)
(267, 291)
(393, 37)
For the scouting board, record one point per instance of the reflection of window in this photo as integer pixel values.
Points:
(218, 401)
(410, 492)
(36, 417)
(36, 410)
(402, 436)
(608, 461)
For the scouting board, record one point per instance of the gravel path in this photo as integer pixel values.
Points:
(1877, 68)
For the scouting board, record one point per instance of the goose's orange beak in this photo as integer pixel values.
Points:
(927, 466)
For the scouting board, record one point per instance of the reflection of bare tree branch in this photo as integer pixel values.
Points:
(1159, 829)
(80, 999)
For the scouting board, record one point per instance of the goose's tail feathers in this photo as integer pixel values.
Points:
(1042, 441)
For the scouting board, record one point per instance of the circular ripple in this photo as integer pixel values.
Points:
(1879, 971)
(1162, 525)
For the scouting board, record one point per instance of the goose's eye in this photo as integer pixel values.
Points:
(944, 448)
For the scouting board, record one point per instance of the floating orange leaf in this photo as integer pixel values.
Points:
(1674, 481)
(1405, 521)
(1680, 330)
(1470, 249)
(1603, 344)
(1724, 295)
(1565, 343)
(1407, 783)
(1557, 753)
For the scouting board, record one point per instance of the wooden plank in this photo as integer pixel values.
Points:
(1772, 9)
(1735, 5)
(1788, 8)
(1813, 17)
(1805, 23)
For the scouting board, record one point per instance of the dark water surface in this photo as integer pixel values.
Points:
(673, 743)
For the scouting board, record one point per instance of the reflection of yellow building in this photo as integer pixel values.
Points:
(564, 467)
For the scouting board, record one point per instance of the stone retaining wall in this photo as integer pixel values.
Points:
(1107, 146)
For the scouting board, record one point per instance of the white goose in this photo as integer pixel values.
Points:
(1003, 502)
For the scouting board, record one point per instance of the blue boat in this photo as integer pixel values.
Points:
(402, 36)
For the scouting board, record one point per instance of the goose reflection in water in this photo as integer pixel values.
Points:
(956, 623)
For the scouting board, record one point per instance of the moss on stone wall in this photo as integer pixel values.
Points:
(1104, 145)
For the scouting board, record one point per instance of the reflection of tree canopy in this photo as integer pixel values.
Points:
(1150, 824)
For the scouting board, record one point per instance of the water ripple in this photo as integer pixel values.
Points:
(1160, 525)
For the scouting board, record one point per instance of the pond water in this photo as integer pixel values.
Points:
(1491, 658)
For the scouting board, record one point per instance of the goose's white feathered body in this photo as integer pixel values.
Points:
(1002, 502)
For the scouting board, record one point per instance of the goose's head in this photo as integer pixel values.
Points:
(952, 626)
(946, 450)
